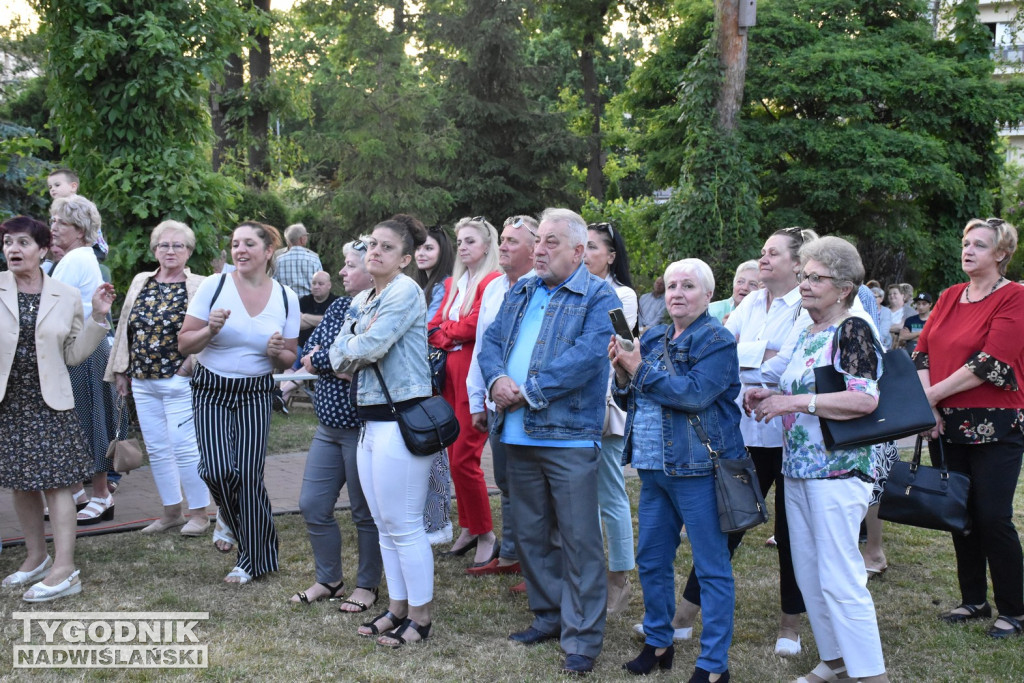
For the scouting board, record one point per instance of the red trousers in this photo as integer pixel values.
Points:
(464, 455)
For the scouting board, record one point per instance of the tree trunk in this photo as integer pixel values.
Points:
(224, 132)
(259, 119)
(732, 55)
(398, 26)
(592, 98)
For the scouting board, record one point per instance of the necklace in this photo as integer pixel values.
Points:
(967, 291)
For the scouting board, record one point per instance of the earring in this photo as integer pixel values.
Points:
(839, 300)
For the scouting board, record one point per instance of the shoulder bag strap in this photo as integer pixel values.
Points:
(284, 298)
(216, 292)
(384, 387)
(690, 417)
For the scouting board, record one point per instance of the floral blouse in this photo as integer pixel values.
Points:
(153, 326)
(805, 455)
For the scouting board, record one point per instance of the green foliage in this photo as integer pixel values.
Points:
(637, 220)
(22, 172)
(128, 84)
(264, 206)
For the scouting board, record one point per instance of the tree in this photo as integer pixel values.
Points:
(513, 154)
(860, 123)
(127, 89)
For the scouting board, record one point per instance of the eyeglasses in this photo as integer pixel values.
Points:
(168, 246)
(359, 245)
(814, 278)
(602, 226)
(518, 222)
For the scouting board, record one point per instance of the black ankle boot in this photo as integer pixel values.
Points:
(643, 664)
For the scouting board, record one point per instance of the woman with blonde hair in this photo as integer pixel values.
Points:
(242, 326)
(145, 361)
(453, 328)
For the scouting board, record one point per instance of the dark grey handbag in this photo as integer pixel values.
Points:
(903, 409)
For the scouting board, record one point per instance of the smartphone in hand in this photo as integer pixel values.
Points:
(622, 331)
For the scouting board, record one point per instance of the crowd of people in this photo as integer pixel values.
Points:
(533, 366)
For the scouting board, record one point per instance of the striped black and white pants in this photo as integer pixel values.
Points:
(232, 418)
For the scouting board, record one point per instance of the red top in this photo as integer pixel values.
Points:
(956, 331)
(463, 330)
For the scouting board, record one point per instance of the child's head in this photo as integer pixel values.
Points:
(62, 183)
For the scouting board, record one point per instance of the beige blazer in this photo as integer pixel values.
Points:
(62, 339)
(118, 361)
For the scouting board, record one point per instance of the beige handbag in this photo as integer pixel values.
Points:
(614, 416)
(126, 454)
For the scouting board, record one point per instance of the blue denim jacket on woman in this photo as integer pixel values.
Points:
(389, 330)
(568, 376)
(706, 383)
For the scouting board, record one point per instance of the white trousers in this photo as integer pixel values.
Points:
(394, 482)
(165, 416)
(824, 523)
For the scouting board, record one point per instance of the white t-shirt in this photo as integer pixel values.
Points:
(240, 348)
(80, 269)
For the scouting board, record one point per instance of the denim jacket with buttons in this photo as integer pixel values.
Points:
(389, 330)
(706, 383)
(568, 375)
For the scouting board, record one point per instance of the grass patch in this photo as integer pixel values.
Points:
(254, 634)
(292, 432)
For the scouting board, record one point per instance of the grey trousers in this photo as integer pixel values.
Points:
(554, 507)
(331, 464)
(498, 459)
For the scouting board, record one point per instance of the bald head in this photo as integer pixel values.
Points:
(320, 287)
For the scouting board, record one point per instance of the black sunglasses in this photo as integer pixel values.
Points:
(603, 226)
(359, 245)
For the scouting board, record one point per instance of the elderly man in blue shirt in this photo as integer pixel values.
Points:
(545, 365)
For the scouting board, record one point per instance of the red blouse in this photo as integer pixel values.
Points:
(987, 337)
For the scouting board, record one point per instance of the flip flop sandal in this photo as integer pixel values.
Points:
(361, 605)
(399, 632)
(332, 594)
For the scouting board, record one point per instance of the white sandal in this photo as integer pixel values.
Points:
(18, 579)
(81, 499)
(222, 533)
(43, 593)
(98, 510)
(825, 673)
(240, 574)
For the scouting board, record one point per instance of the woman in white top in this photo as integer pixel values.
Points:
(74, 222)
(242, 326)
(605, 256)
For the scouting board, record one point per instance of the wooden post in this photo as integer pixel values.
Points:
(732, 55)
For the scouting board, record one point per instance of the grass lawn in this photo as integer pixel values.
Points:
(254, 634)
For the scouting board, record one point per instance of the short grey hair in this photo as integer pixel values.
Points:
(746, 265)
(705, 277)
(78, 211)
(173, 226)
(842, 260)
(293, 233)
(577, 226)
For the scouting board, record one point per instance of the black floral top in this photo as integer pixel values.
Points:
(980, 425)
(153, 326)
(331, 398)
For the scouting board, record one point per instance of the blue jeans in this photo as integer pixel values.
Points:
(666, 503)
(615, 511)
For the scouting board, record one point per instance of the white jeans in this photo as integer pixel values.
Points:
(165, 416)
(824, 523)
(394, 482)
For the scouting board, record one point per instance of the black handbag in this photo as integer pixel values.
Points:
(903, 409)
(427, 427)
(438, 359)
(927, 497)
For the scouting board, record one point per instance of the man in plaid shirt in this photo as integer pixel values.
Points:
(296, 265)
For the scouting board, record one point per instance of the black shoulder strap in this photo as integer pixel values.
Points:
(284, 297)
(216, 292)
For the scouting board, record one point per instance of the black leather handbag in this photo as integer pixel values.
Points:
(438, 360)
(927, 497)
(427, 427)
(903, 409)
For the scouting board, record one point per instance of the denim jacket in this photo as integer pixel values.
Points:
(389, 330)
(706, 383)
(568, 376)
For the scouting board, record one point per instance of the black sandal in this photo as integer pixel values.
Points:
(1016, 628)
(954, 617)
(397, 634)
(396, 622)
(332, 593)
(361, 605)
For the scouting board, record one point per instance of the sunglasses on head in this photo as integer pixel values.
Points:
(359, 245)
(519, 222)
(603, 226)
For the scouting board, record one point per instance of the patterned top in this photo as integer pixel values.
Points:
(153, 326)
(296, 268)
(805, 455)
(331, 400)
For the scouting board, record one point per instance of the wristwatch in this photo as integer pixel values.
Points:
(810, 406)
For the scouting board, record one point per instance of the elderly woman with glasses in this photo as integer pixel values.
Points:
(74, 222)
(969, 358)
(828, 491)
(145, 362)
